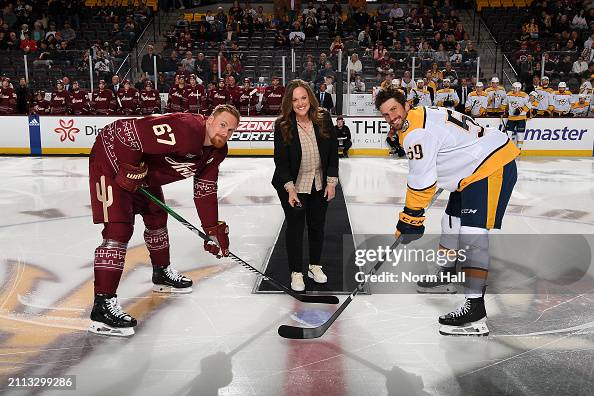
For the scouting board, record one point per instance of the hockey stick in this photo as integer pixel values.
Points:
(502, 125)
(301, 333)
(301, 297)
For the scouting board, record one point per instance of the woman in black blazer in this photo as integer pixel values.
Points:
(305, 176)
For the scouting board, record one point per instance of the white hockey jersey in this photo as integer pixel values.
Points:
(580, 109)
(519, 100)
(476, 104)
(562, 101)
(423, 95)
(545, 98)
(446, 94)
(496, 100)
(407, 86)
(450, 150)
(586, 88)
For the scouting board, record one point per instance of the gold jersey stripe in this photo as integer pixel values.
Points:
(497, 159)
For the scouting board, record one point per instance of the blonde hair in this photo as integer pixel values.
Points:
(226, 108)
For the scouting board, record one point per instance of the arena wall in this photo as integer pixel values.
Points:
(255, 135)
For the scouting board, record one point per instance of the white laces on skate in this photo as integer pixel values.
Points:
(173, 274)
(115, 309)
(462, 310)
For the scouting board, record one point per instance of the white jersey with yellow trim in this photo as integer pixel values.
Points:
(449, 150)
(580, 109)
(561, 101)
(545, 98)
(447, 94)
(586, 88)
(423, 95)
(476, 103)
(517, 100)
(407, 85)
(496, 99)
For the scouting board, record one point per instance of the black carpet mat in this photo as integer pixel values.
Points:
(337, 255)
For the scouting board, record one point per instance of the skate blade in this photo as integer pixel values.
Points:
(441, 289)
(103, 329)
(478, 328)
(171, 289)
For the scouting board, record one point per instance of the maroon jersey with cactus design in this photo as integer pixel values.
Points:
(172, 148)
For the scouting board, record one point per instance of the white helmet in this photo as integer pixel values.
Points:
(420, 81)
(446, 80)
(582, 96)
(495, 80)
(479, 84)
(517, 85)
(562, 85)
(396, 82)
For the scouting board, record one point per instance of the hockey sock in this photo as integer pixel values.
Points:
(110, 257)
(474, 242)
(520, 138)
(109, 265)
(449, 240)
(157, 243)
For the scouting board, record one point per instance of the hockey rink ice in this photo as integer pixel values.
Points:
(222, 339)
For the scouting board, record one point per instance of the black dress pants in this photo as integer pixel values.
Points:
(313, 213)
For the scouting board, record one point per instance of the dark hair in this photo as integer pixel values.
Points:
(316, 113)
(388, 93)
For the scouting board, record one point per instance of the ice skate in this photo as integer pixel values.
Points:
(108, 318)
(468, 320)
(168, 280)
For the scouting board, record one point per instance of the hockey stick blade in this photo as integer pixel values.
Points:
(306, 298)
(306, 333)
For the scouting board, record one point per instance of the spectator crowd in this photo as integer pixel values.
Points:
(228, 56)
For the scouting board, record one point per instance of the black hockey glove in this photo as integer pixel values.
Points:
(410, 225)
(517, 112)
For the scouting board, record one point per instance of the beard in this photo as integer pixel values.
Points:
(218, 142)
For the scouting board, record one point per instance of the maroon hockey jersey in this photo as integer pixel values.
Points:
(79, 102)
(8, 99)
(196, 98)
(217, 96)
(128, 101)
(40, 107)
(273, 97)
(246, 100)
(60, 102)
(150, 101)
(172, 148)
(103, 102)
(177, 101)
(234, 95)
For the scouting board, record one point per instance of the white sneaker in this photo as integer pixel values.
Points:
(297, 281)
(315, 272)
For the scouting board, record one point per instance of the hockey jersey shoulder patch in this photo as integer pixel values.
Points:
(416, 119)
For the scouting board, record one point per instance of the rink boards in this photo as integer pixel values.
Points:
(255, 135)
